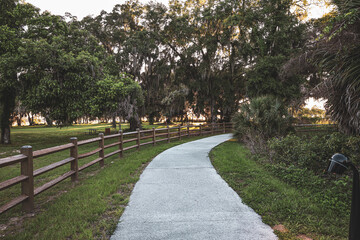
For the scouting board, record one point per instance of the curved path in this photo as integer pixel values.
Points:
(180, 196)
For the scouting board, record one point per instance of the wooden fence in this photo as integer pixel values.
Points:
(316, 127)
(138, 138)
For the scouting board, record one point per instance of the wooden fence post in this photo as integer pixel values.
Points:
(179, 132)
(212, 128)
(121, 146)
(187, 130)
(101, 153)
(224, 127)
(201, 130)
(74, 154)
(168, 133)
(153, 136)
(138, 139)
(27, 186)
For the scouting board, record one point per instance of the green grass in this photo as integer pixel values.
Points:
(88, 209)
(42, 136)
(275, 200)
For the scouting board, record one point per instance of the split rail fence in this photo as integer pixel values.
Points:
(138, 138)
(316, 127)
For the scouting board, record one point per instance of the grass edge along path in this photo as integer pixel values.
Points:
(90, 208)
(276, 201)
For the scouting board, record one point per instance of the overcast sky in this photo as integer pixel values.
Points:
(79, 8)
(82, 8)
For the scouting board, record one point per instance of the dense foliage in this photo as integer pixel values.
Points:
(52, 65)
(314, 153)
(303, 162)
(330, 62)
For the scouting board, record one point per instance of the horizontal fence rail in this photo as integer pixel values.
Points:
(315, 127)
(137, 139)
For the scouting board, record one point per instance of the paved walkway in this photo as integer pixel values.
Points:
(180, 196)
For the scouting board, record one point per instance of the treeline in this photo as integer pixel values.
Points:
(149, 60)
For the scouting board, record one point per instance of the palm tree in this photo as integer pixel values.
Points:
(336, 56)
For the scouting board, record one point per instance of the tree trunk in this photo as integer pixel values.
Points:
(7, 105)
(211, 110)
(31, 119)
(151, 118)
(114, 121)
(135, 123)
(49, 122)
(18, 120)
(168, 121)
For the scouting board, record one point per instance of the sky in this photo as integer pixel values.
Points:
(79, 8)
(83, 8)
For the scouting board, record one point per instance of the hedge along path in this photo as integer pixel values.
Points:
(121, 141)
(181, 196)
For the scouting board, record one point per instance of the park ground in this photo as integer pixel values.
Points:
(90, 208)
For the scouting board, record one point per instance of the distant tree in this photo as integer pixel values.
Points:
(135, 46)
(313, 115)
(202, 37)
(60, 63)
(19, 112)
(174, 103)
(276, 34)
(117, 96)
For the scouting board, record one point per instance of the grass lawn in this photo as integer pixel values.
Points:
(42, 136)
(88, 209)
(275, 200)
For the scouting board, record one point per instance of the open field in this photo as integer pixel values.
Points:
(42, 136)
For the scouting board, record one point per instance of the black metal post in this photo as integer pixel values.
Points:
(354, 230)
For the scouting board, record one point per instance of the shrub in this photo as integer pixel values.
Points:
(313, 153)
(259, 120)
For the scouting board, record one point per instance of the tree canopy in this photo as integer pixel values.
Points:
(150, 60)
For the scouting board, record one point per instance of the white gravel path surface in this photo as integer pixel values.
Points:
(181, 196)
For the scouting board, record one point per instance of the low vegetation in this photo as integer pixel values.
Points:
(314, 205)
(285, 178)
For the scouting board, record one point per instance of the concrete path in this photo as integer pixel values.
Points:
(180, 196)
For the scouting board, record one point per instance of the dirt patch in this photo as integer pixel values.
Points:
(303, 237)
(15, 224)
(280, 228)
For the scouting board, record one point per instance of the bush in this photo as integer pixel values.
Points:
(333, 195)
(313, 153)
(259, 120)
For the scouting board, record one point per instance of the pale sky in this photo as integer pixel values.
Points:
(79, 8)
(82, 8)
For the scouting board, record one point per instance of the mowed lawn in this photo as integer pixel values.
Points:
(87, 209)
(41, 136)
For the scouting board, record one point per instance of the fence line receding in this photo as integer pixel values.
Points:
(138, 139)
